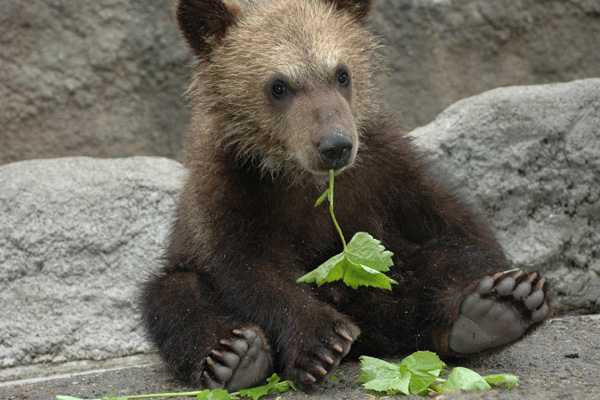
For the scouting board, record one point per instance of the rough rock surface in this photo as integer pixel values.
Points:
(530, 157)
(441, 51)
(98, 78)
(105, 78)
(77, 235)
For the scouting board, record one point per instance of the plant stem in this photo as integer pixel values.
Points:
(164, 395)
(331, 177)
(435, 388)
(141, 396)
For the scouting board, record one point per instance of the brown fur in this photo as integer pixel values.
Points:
(246, 227)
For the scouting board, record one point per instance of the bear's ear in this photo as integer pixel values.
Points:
(360, 8)
(204, 22)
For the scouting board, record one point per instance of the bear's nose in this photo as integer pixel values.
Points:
(335, 149)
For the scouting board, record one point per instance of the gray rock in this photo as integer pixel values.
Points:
(105, 78)
(530, 158)
(441, 51)
(97, 78)
(76, 237)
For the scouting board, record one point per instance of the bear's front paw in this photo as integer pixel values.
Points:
(242, 361)
(319, 358)
(499, 311)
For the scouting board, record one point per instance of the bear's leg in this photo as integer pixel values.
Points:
(461, 303)
(500, 310)
(199, 339)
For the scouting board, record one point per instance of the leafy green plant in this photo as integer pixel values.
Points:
(362, 262)
(273, 386)
(420, 374)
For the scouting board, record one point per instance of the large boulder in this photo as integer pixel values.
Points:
(105, 78)
(77, 236)
(440, 51)
(529, 157)
(97, 78)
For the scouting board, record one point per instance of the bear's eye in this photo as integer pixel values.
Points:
(279, 90)
(343, 78)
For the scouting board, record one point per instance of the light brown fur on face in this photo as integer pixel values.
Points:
(304, 44)
(310, 116)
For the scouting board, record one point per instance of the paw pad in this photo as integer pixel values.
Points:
(241, 362)
(499, 311)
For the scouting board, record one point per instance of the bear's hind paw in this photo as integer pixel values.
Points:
(499, 311)
(243, 361)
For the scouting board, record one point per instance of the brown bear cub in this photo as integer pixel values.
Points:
(282, 94)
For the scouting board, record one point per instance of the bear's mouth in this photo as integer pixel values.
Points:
(322, 173)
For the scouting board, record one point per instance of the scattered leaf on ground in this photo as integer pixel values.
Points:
(420, 374)
(425, 367)
(502, 381)
(273, 386)
(461, 378)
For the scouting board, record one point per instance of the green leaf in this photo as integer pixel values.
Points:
(425, 367)
(365, 250)
(383, 376)
(260, 391)
(215, 394)
(373, 368)
(356, 275)
(391, 386)
(321, 199)
(502, 381)
(331, 270)
(366, 258)
(417, 374)
(333, 378)
(465, 379)
(362, 262)
(359, 265)
(273, 386)
(255, 393)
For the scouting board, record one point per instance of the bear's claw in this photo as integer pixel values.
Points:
(500, 310)
(323, 359)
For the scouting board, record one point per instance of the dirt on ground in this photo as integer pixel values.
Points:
(559, 361)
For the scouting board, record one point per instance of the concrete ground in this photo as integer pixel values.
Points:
(559, 361)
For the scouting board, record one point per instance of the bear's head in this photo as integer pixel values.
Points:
(286, 84)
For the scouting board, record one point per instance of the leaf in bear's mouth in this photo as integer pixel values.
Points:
(361, 263)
